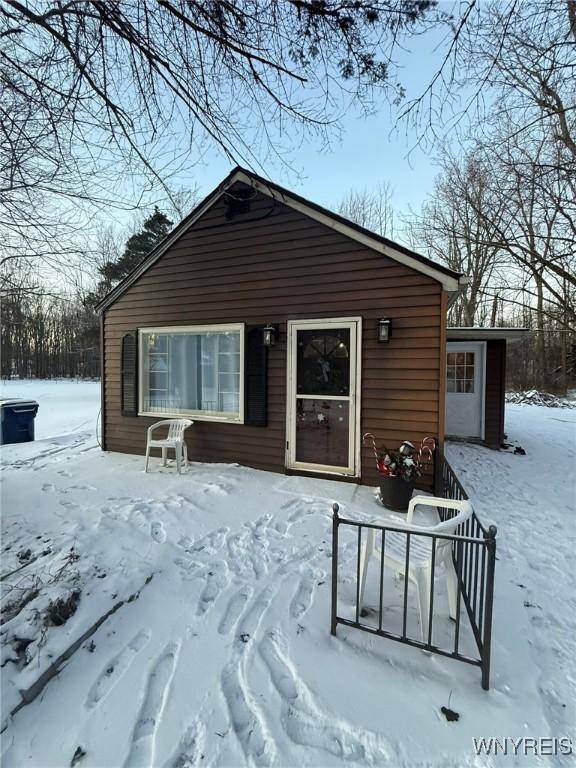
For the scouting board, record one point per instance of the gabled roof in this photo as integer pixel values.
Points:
(451, 281)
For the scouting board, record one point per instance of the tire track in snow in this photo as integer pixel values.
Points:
(305, 723)
(150, 716)
(115, 668)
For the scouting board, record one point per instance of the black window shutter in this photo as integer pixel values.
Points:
(255, 377)
(129, 369)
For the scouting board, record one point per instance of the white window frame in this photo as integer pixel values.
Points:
(196, 329)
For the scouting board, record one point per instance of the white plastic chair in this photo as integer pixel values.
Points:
(174, 439)
(420, 556)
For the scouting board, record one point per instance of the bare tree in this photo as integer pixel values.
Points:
(94, 94)
(453, 227)
(371, 209)
(503, 54)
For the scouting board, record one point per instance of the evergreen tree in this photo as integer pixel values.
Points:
(155, 229)
(139, 245)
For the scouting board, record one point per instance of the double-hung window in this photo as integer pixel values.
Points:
(195, 371)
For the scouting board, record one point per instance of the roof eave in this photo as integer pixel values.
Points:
(163, 246)
(475, 333)
(450, 280)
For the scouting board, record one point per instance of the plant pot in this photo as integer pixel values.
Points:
(395, 493)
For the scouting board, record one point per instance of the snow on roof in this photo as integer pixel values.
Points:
(477, 333)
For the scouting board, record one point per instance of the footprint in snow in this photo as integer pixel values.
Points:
(235, 608)
(189, 753)
(187, 566)
(212, 542)
(158, 533)
(156, 694)
(186, 543)
(115, 668)
(217, 579)
(217, 489)
(49, 487)
(138, 514)
(304, 595)
(305, 722)
(68, 504)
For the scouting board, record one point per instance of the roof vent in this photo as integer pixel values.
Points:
(238, 202)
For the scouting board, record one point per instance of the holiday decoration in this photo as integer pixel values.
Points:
(404, 462)
(399, 469)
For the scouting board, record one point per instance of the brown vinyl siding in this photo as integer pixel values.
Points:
(274, 264)
(495, 393)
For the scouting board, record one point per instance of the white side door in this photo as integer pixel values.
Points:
(465, 388)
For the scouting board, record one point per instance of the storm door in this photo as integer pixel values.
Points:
(323, 381)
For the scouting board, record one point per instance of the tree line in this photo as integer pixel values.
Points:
(45, 335)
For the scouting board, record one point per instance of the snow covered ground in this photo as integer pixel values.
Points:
(215, 647)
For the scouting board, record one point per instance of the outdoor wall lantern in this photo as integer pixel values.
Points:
(270, 334)
(384, 330)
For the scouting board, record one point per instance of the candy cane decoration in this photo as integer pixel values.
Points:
(379, 462)
(381, 466)
(426, 452)
(373, 439)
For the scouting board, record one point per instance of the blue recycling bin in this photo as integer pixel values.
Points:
(17, 420)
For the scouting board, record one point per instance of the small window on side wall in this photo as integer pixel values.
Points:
(460, 372)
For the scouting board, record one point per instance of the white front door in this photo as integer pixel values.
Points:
(322, 429)
(465, 384)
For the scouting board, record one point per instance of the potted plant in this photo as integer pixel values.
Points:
(399, 470)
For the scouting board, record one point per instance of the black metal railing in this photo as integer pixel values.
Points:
(470, 549)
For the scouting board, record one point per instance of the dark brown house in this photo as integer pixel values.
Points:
(185, 334)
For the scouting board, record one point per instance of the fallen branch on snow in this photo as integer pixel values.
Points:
(29, 694)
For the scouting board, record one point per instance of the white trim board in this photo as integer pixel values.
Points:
(472, 333)
(448, 283)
